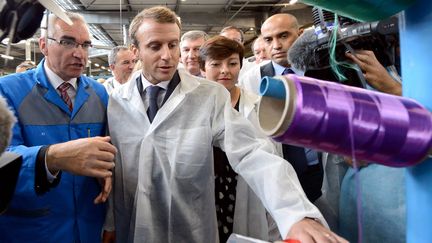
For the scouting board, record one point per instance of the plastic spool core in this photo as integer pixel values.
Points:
(275, 114)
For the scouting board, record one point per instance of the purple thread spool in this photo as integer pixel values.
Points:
(386, 129)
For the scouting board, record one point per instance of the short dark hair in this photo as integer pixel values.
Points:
(218, 48)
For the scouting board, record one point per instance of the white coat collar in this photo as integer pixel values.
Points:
(130, 94)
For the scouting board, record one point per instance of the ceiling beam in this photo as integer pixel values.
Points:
(236, 13)
(129, 8)
(177, 6)
(228, 5)
(215, 19)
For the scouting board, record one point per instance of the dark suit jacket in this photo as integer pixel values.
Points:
(310, 177)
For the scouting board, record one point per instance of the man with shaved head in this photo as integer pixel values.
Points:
(278, 32)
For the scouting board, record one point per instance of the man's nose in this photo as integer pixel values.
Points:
(193, 54)
(276, 44)
(165, 52)
(79, 52)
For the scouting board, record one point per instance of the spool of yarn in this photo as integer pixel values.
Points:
(332, 117)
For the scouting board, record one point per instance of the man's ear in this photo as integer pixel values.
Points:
(43, 45)
(300, 31)
(112, 66)
(135, 51)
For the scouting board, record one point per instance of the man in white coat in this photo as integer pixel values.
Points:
(121, 62)
(164, 182)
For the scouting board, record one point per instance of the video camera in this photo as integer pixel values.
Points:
(381, 37)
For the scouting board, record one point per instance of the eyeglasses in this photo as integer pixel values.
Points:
(70, 44)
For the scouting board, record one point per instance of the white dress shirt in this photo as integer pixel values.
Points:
(56, 81)
(161, 95)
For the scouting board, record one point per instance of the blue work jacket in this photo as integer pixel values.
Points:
(65, 213)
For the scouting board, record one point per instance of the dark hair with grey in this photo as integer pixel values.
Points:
(233, 28)
(159, 14)
(194, 35)
(113, 54)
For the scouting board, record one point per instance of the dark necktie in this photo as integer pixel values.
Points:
(288, 71)
(153, 92)
(64, 95)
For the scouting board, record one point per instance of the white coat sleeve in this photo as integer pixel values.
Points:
(271, 177)
(251, 80)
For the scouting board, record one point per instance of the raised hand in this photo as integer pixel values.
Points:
(87, 156)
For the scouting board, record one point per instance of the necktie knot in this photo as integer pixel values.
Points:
(288, 71)
(153, 92)
(63, 88)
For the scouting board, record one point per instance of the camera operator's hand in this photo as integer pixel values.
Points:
(375, 74)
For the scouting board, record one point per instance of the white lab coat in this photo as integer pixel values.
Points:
(250, 216)
(251, 80)
(164, 179)
(110, 84)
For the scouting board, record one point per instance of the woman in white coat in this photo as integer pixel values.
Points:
(221, 61)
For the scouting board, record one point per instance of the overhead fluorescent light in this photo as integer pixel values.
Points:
(6, 57)
(66, 4)
(57, 10)
(96, 64)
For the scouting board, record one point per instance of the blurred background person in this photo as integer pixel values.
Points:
(121, 62)
(233, 33)
(190, 44)
(259, 50)
(24, 66)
